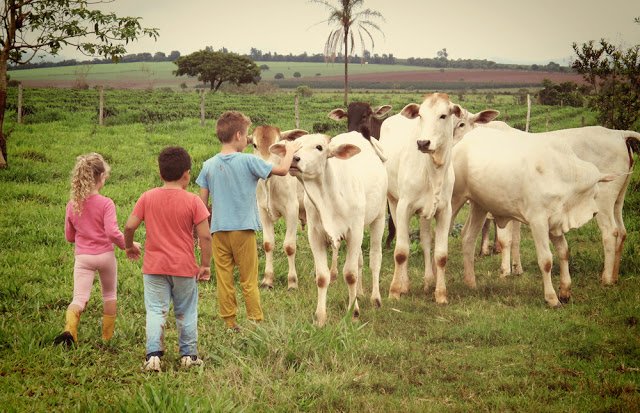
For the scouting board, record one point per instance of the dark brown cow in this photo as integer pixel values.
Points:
(360, 117)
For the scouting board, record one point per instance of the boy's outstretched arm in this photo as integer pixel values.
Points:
(132, 248)
(285, 163)
(204, 237)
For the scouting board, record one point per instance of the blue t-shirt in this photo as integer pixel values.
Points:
(231, 180)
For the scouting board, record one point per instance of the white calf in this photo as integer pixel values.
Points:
(525, 178)
(277, 198)
(418, 143)
(345, 189)
(610, 152)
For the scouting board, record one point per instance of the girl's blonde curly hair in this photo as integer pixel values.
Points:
(86, 174)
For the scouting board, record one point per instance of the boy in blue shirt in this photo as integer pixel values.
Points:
(230, 179)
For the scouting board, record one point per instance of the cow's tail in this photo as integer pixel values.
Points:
(632, 139)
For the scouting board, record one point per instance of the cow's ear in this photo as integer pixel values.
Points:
(457, 110)
(293, 134)
(278, 149)
(344, 151)
(337, 114)
(485, 116)
(411, 111)
(382, 112)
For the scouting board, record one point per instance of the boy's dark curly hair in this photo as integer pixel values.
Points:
(173, 162)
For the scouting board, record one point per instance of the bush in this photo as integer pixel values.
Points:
(297, 74)
(304, 91)
(278, 76)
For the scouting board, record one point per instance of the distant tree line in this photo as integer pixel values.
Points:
(129, 58)
(441, 61)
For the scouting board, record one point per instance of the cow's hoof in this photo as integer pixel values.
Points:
(377, 302)
(394, 295)
(564, 299)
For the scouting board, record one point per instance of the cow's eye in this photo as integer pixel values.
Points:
(255, 146)
(319, 147)
(443, 116)
(461, 125)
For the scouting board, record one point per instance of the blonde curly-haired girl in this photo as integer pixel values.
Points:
(91, 224)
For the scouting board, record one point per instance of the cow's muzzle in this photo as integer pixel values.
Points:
(423, 146)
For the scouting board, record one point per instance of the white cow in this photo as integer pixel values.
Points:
(278, 197)
(418, 143)
(345, 186)
(530, 179)
(610, 152)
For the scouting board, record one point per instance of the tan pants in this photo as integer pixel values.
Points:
(231, 248)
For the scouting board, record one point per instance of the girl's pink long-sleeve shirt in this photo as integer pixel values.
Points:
(96, 229)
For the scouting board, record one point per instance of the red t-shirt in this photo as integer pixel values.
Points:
(169, 215)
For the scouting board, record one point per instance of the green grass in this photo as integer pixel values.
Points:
(496, 348)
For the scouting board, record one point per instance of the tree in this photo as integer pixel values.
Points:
(614, 75)
(33, 27)
(216, 68)
(174, 55)
(297, 74)
(350, 21)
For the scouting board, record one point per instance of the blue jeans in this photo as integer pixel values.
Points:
(159, 291)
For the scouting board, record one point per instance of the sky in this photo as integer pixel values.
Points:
(505, 31)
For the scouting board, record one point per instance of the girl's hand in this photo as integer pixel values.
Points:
(133, 253)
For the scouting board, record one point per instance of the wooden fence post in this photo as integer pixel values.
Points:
(202, 113)
(297, 112)
(101, 108)
(20, 103)
(526, 128)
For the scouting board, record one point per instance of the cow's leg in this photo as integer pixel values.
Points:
(376, 232)
(609, 231)
(622, 232)
(400, 282)
(268, 243)
(504, 239)
(562, 249)
(516, 263)
(290, 246)
(334, 263)
(359, 288)
(441, 251)
(350, 268)
(540, 234)
(486, 235)
(425, 243)
(472, 226)
(323, 277)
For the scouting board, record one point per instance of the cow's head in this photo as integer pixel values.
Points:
(468, 121)
(362, 118)
(436, 116)
(265, 136)
(310, 160)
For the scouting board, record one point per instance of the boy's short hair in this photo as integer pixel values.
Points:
(173, 162)
(229, 123)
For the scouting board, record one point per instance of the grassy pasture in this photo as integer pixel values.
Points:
(497, 348)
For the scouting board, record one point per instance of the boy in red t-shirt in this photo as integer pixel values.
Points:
(169, 266)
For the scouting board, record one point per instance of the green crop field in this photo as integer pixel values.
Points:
(495, 348)
(160, 74)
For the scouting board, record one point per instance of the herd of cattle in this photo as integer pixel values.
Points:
(419, 164)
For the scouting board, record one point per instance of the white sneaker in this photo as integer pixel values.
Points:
(191, 361)
(153, 364)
